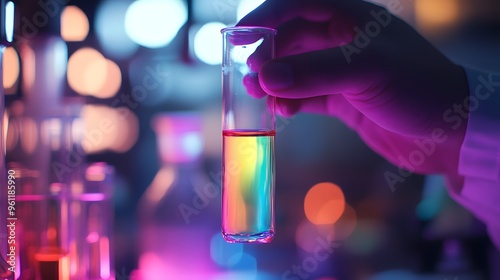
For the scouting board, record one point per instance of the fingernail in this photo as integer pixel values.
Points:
(277, 76)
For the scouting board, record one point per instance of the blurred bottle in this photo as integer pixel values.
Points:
(42, 127)
(48, 166)
(44, 138)
(44, 131)
(66, 232)
(178, 212)
(91, 224)
(64, 204)
(6, 265)
(64, 220)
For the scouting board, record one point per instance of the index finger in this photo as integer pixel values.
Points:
(273, 13)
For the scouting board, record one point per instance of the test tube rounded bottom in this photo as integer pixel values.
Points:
(264, 237)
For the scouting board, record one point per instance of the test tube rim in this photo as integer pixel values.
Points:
(249, 30)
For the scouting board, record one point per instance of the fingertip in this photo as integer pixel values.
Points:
(271, 13)
(262, 54)
(276, 76)
(251, 83)
(287, 107)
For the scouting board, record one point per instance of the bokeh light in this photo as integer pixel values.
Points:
(206, 48)
(366, 239)
(240, 54)
(152, 267)
(5, 129)
(179, 136)
(81, 64)
(97, 172)
(223, 253)
(128, 127)
(245, 275)
(346, 224)
(90, 73)
(94, 75)
(434, 196)
(106, 128)
(324, 203)
(112, 82)
(434, 14)
(110, 29)
(9, 20)
(206, 11)
(307, 233)
(29, 136)
(74, 24)
(28, 68)
(159, 186)
(246, 6)
(155, 23)
(12, 135)
(427, 209)
(51, 133)
(10, 70)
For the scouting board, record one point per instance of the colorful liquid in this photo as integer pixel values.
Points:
(248, 186)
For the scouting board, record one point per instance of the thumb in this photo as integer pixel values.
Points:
(323, 72)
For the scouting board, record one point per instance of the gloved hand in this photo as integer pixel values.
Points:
(356, 61)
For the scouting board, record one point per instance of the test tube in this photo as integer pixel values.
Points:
(248, 130)
(92, 217)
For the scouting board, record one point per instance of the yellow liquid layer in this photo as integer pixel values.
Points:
(248, 182)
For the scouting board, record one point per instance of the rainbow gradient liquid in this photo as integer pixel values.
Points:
(248, 186)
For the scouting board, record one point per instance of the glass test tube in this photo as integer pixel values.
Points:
(93, 222)
(248, 129)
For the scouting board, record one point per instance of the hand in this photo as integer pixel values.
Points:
(355, 61)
